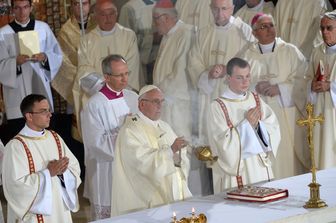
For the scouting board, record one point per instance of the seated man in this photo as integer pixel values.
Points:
(40, 174)
(242, 130)
(150, 167)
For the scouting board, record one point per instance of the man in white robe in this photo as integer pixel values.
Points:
(298, 22)
(137, 15)
(40, 175)
(243, 132)
(151, 165)
(322, 71)
(276, 67)
(170, 75)
(20, 74)
(195, 12)
(252, 7)
(107, 38)
(101, 119)
(215, 45)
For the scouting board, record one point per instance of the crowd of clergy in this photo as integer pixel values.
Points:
(138, 87)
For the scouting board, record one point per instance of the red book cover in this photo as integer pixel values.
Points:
(257, 194)
(320, 72)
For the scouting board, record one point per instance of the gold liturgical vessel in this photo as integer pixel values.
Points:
(314, 201)
(201, 218)
(204, 153)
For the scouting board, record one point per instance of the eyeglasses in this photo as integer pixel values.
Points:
(121, 75)
(328, 28)
(265, 26)
(159, 16)
(155, 101)
(42, 112)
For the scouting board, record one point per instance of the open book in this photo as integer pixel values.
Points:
(257, 194)
(29, 43)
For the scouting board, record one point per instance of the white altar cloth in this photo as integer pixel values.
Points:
(218, 209)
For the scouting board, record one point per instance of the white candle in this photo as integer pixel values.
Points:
(193, 210)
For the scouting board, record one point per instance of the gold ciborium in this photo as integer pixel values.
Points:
(204, 153)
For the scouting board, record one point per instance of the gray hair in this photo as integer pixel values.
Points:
(236, 62)
(168, 11)
(106, 63)
(254, 26)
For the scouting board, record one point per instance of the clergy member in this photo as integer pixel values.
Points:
(195, 12)
(69, 38)
(276, 67)
(151, 165)
(298, 22)
(40, 175)
(22, 74)
(101, 119)
(107, 38)
(253, 7)
(215, 45)
(137, 15)
(243, 132)
(322, 71)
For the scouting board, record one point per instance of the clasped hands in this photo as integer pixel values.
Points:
(178, 144)
(58, 167)
(320, 86)
(267, 89)
(39, 57)
(253, 115)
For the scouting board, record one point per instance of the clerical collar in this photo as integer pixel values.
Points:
(106, 33)
(148, 120)
(257, 8)
(19, 27)
(174, 28)
(228, 93)
(331, 49)
(26, 131)
(110, 93)
(228, 25)
(267, 48)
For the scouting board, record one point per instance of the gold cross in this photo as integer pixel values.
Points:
(310, 123)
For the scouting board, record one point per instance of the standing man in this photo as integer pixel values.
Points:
(101, 119)
(107, 38)
(215, 45)
(323, 92)
(195, 12)
(69, 38)
(151, 165)
(298, 22)
(137, 15)
(252, 7)
(21, 75)
(40, 174)
(277, 67)
(243, 131)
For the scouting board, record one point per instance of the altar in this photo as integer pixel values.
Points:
(219, 209)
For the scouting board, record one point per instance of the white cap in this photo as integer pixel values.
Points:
(146, 89)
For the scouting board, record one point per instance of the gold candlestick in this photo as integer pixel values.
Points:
(314, 201)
